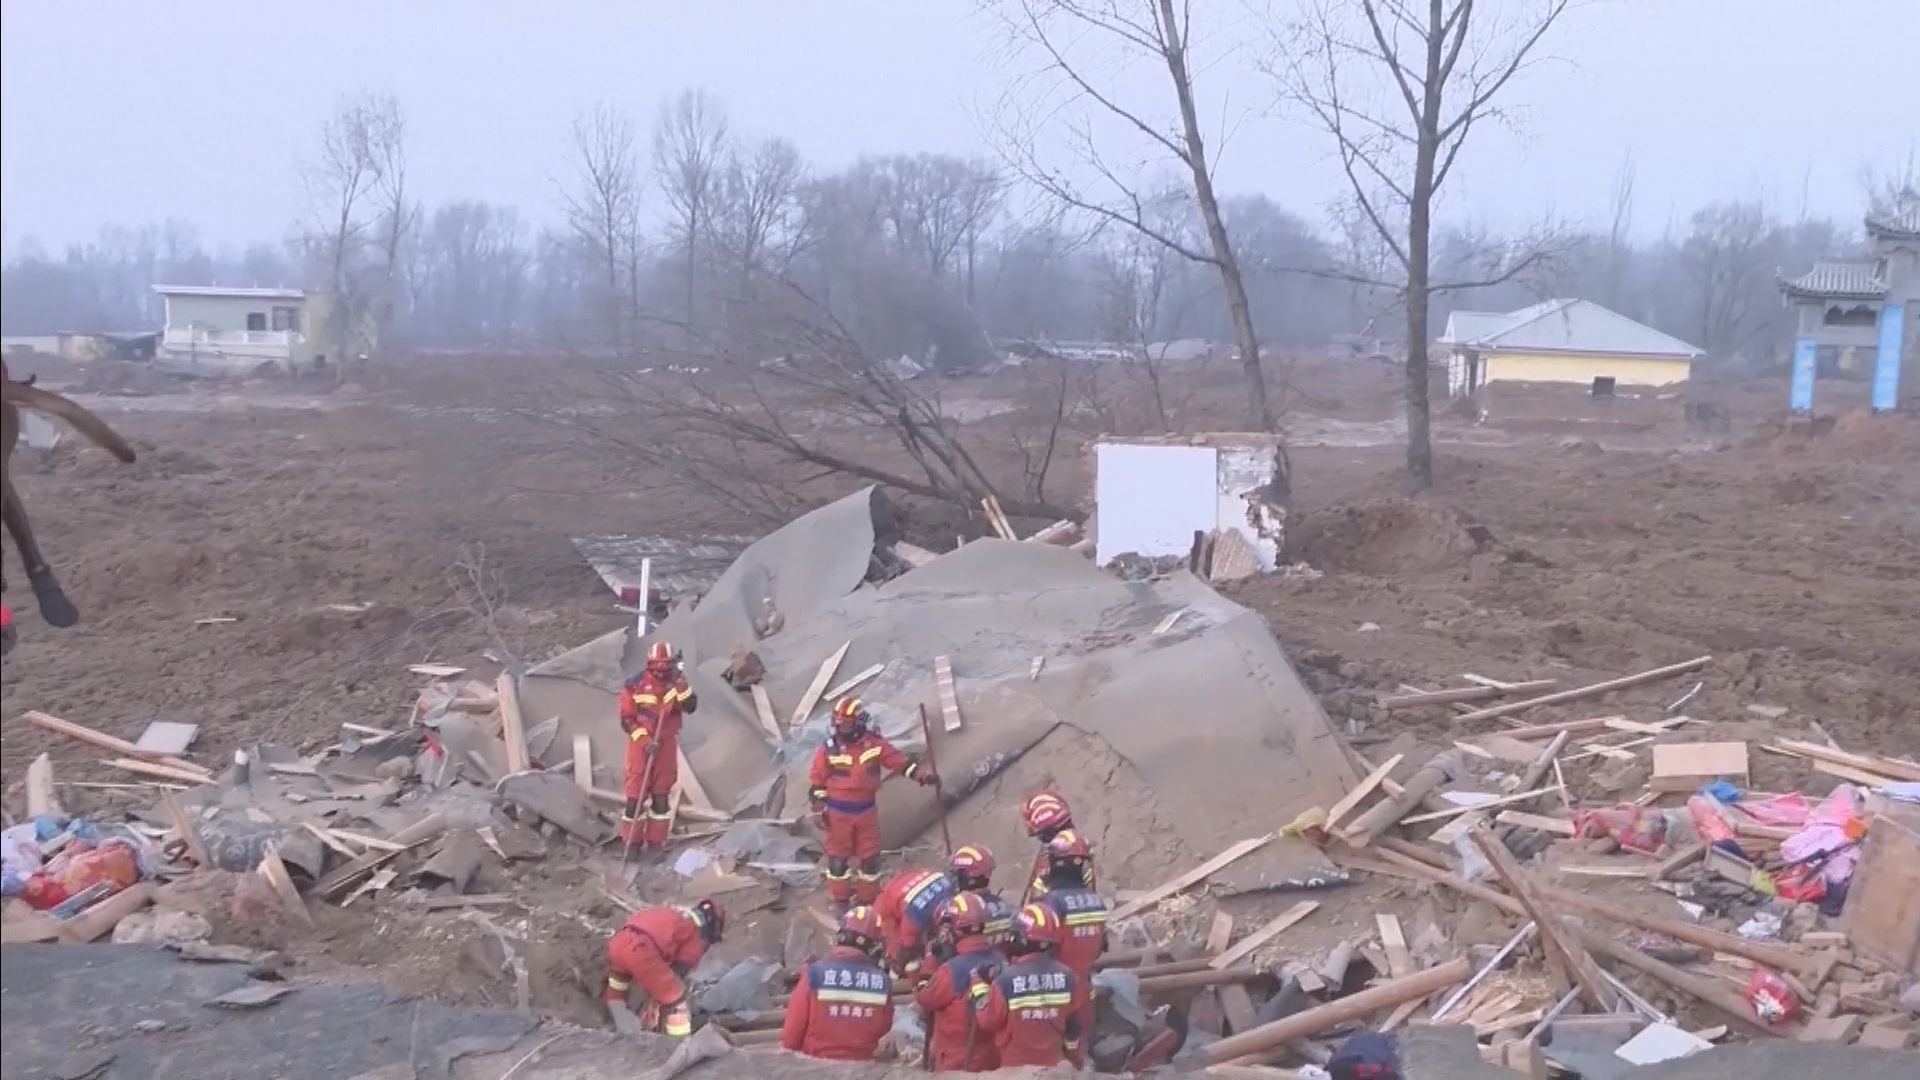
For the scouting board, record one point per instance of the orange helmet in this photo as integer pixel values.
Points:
(849, 715)
(963, 915)
(971, 866)
(1038, 926)
(660, 657)
(860, 927)
(1044, 811)
(1068, 850)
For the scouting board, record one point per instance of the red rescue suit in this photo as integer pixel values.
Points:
(1030, 1010)
(1037, 878)
(840, 1008)
(1083, 914)
(999, 917)
(651, 708)
(907, 907)
(843, 781)
(655, 948)
(950, 999)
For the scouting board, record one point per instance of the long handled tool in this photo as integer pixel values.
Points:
(646, 781)
(939, 792)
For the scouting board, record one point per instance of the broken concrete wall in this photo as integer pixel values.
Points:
(1152, 494)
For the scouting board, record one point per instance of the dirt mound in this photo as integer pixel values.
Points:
(1394, 536)
(1856, 436)
(109, 377)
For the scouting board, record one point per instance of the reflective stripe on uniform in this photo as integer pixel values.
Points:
(1039, 1001)
(841, 876)
(678, 695)
(875, 876)
(978, 989)
(617, 984)
(839, 759)
(926, 883)
(1085, 918)
(646, 699)
(637, 734)
(870, 753)
(841, 993)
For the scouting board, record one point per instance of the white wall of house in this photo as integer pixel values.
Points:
(235, 332)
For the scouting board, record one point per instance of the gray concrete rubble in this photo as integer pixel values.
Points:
(1217, 734)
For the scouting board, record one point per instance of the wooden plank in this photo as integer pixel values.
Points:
(583, 761)
(1199, 873)
(1333, 1014)
(371, 843)
(1166, 624)
(1562, 948)
(1673, 864)
(1394, 941)
(1594, 690)
(1457, 828)
(182, 824)
(1237, 1005)
(1220, 933)
(855, 680)
(1263, 935)
(1628, 871)
(1882, 913)
(1885, 766)
(1849, 773)
(696, 792)
(818, 686)
(763, 711)
(1635, 727)
(437, 671)
(1686, 766)
(104, 741)
(1401, 1014)
(949, 696)
(1361, 791)
(512, 728)
(1462, 694)
(1557, 826)
(330, 840)
(42, 800)
(275, 872)
(1456, 811)
(380, 880)
(165, 772)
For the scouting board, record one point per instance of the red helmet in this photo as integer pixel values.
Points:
(1069, 850)
(1044, 811)
(1038, 926)
(971, 862)
(860, 927)
(963, 915)
(849, 715)
(660, 657)
(711, 918)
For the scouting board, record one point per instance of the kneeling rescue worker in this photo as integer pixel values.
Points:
(908, 906)
(971, 868)
(1047, 816)
(847, 772)
(651, 707)
(656, 947)
(951, 997)
(1031, 1003)
(843, 1003)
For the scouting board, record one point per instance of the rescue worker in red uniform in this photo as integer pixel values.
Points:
(843, 1003)
(1047, 815)
(656, 947)
(957, 988)
(652, 704)
(1067, 889)
(847, 772)
(908, 906)
(1030, 1007)
(971, 869)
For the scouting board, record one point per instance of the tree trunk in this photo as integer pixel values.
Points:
(1259, 412)
(1419, 281)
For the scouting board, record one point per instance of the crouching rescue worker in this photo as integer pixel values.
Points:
(1047, 816)
(652, 705)
(1067, 889)
(1031, 1003)
(847, 772)
(908, 906)
(656, 948)
(958, 987)
(843, 1003)
(971, 868)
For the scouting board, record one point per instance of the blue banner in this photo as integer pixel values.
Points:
(1805, 357)
(1886, 367)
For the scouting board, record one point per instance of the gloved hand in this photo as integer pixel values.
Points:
(651, 750)
(925, 777)
(819, 814)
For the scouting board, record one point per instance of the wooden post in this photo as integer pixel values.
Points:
(1594, 690)
(1352, 1007)
(1386, 814)
(583, 761)
(1563, 950)
(512, 729)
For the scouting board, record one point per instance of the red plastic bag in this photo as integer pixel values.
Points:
(1773, 1001)
(1637, 828)
(72, 871)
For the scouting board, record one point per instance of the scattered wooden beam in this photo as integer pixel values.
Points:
(1571, 727)
(330, 840)
(1888, 767)
(1507, 800)
(1220, 933)
(1686, 766)
(1523, 820)
(1563, 950)
(1593, 690)
(1394, 940)
(512, 728)
(183, 824)
(380, 880)
(1462, 694)
(1361, 791)
(1166, 624)
(763, 710)
(1263, 935)
(437, 671)
(1352, 1007)
(855, 680)
(1387, 813)
(99, 920)
(117, 745)
(371, 843)
(337, 880)
(1054, 533)
(696, 792)
(583, 761)
(949, 697)
(818, 686)
(165, 772)
(42, 800)
(275, 872)
(1199, 873)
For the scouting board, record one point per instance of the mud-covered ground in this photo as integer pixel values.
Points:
(344, 531)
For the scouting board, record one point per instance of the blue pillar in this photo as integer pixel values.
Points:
(1886, 366)
(1806, 356)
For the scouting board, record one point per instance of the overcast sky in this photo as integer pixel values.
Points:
(133, 112)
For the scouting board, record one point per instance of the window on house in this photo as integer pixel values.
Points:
(286, 318)
(1603, 386)
(256, 320)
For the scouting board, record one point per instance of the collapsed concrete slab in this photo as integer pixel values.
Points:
(1171, 740)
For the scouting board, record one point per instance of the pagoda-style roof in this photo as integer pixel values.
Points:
(1902, 223)
(1838, 280)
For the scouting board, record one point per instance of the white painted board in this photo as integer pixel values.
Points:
(1151, 499)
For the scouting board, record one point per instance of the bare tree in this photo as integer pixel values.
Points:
(1730, 256)
(1400, 85)
(1619, 242)
(690, 152)
(387, 142)
(1064, 33)
(758, 210)
(603, 203)
(355, 145)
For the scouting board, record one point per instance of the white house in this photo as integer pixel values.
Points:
(238, 329)
(1560, 341)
